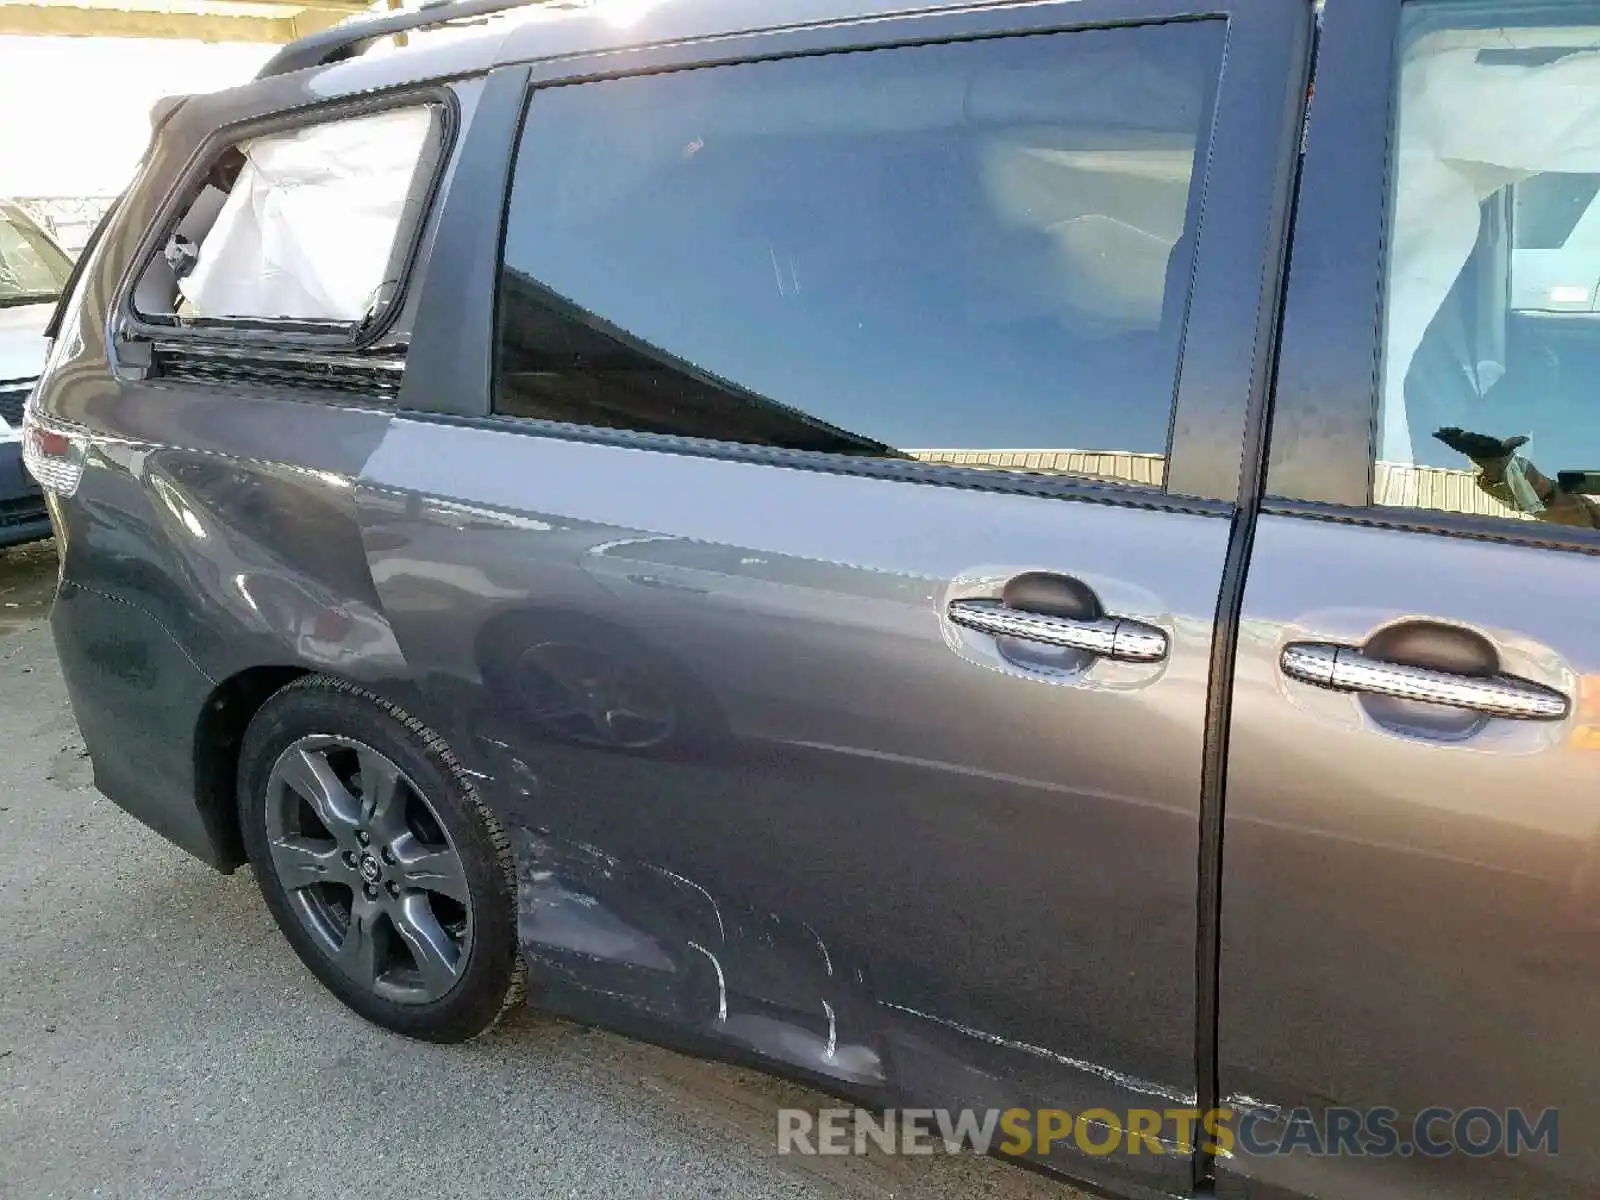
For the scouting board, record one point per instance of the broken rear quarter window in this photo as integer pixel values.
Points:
(303, 224)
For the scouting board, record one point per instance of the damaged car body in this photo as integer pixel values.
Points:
(759, 528)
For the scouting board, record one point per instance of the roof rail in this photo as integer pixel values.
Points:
(355, 37)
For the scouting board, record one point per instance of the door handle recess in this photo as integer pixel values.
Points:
(1347, 669)
(1109, 637)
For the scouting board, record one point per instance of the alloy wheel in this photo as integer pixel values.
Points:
(368, 868)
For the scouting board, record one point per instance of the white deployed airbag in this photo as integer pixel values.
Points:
(1470, 126)
(309, 228)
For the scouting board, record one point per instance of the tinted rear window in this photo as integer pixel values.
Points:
(975, 253)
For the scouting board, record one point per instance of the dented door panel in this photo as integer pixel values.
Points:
(763, 795)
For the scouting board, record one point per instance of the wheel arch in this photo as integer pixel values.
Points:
(219, 733)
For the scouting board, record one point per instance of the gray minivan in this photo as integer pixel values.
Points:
(981, 556)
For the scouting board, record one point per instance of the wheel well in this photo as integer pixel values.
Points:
(217, 737)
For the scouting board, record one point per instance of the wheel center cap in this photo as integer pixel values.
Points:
(369, 869)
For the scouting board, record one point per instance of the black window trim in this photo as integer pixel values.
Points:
(367, 378)
(264, 334)
(1330, 376)
(1124, 495)
(1252, 135)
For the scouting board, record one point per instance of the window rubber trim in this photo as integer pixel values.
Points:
(376, 377)
(1017, 482)
(1535, 535)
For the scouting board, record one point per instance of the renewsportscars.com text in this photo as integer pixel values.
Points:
(1372, 1132)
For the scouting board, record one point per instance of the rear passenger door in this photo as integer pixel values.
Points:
(824, 589)
(1411, 917)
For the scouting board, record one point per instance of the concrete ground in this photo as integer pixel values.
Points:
(158, 1038)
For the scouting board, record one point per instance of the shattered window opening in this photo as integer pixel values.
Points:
(304, 227)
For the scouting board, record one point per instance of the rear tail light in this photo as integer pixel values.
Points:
(53, 456)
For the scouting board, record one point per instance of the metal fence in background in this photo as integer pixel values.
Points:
(68, 219)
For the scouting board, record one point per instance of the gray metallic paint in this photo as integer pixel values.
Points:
(192, 565)
(817, 801)
(1411, 915)
(847, 764)
(973, 875)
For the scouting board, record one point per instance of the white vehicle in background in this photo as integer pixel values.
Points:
(33, 272)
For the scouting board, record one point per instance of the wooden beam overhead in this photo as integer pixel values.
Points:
(214, 25)
(343, 7)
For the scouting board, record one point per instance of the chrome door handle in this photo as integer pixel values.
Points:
(1346, 669)
(1109, 637)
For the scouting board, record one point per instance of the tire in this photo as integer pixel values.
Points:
(398, 894)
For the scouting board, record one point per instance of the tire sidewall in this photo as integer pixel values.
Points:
(491, 979)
